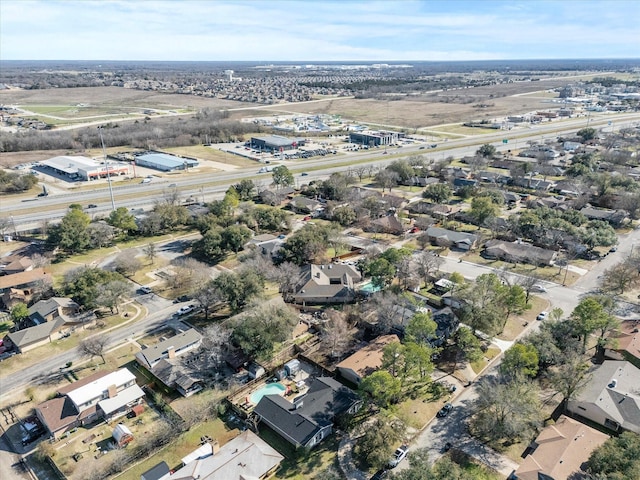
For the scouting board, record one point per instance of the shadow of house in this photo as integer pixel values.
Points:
(310, 418)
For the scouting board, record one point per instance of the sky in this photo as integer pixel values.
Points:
(318, 30)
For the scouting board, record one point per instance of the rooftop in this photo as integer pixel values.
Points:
(166, 160)
(369, 358)
(152, 355)
(89, 391)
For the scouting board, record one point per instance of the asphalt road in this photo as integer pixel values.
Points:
(453, 427)
(50, 368)
(27, 213)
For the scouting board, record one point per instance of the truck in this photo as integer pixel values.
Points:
(265, 169)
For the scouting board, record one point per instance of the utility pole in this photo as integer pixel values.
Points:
(106, 164)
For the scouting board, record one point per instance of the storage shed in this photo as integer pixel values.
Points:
(292, 367)
(122, 435)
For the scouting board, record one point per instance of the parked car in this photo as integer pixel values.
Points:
(182, 298)
(185, 310)
(613, 249)
(542, 315)
(445, 410)
(399, 455)
(145, 290)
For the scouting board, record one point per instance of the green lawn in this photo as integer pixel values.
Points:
(489, 355)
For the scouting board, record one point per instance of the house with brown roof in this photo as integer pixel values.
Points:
(387, 224)
(518, 252)
(332, 283)
(366, 360)
(10, 264)
(559, 451)
(18, 287)
(627, 343)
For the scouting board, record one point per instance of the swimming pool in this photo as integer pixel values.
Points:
(269, 389)
(369, 287)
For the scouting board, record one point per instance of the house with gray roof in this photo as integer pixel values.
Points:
(309, 418)
(611, 398)
(54, 307)
(172, 347)
(614, 217)
(246, 457)
(518, 252)
(448, 238)
(33, 337)
(332, 283)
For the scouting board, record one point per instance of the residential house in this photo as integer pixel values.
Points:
(107, 395)
(156, 472)
(533, 183)
(443, 212)
(366, 360)
(611, 398)
(559, 451)
(266, 244)
(23, 283)
(54, 307)
(332, 283)
(169, 363)
(307, 205)
(258, 239)
(276, 197)
(447, 323)
(550, 202)
(33, 337)
(309, 419)
(464, 182)
(448, 238)
(387, 224)
(627, 341)
(10, 264)
(246, 457)
(518, 252)
(614, 217)
(510, 198)
(172, 347)
(422, 181)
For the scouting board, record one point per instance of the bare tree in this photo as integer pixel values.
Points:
(427, 264)
(288, 275)
(207, 296)
(620, 277)
(112, 293)
(361, 171)
(94, 347)
(150, 252)
(336, 334)
(127, 264)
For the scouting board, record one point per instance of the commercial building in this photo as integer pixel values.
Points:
(374, 139)
(83, 168)
(164, 161)
(276, 143)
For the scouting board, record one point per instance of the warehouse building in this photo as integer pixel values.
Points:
(83, 168)
(373, 139)
(276, 143)
(165, 162)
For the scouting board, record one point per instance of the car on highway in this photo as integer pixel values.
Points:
(542, 315)
(304, 174)
(399, 455)
(146, 180)
(92, 205)
(445, 410)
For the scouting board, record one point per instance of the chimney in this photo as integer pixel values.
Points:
(215, 447)
(112, 391)
(171, 351)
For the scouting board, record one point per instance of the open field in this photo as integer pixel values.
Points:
(213, 154)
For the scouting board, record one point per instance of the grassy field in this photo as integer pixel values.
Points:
(212, 154)
(462, 130)
(489, 355)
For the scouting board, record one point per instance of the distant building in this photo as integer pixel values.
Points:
(276, 143)
(374, 139)
(83, 168)
(165, 162)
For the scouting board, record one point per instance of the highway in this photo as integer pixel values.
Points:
(29, 213)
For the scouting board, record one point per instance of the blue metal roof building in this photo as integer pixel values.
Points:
(165, 162)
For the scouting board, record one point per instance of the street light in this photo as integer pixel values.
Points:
(106, 163)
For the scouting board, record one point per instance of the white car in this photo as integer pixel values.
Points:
(542, 315)
(185, 310)
(538, 288)
(145, 290)
(398, 456)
